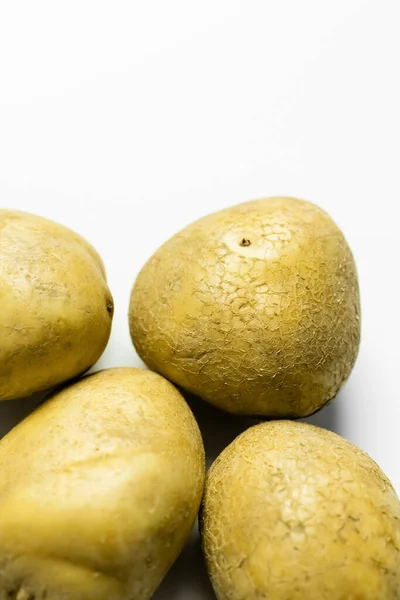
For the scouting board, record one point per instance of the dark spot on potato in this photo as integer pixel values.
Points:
(244, 242)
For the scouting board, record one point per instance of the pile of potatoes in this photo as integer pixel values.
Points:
(256, 310)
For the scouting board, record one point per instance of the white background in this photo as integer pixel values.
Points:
(128, 120)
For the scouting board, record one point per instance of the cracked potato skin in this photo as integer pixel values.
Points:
(56, 308)
(255, 309)
(99, 489)
(294, 512)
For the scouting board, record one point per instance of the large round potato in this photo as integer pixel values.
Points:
(56, 308)
(99, 490)
(294, 512)
(254, 308)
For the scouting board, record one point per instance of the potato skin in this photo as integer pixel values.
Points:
(99, 489)
(294, 512)
(56, 308)
(255, 309)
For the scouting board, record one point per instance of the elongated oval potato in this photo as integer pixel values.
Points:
(56, 308)
(99, 490)
(254, 308)
(292, 511)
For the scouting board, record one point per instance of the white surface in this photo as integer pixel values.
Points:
(127, 120)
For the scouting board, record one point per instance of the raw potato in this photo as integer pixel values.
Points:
(56, 308)
(99, 490)
(254, 308)
(294, 512)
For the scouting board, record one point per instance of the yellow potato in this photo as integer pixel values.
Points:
(99, 490)
(56, 308)
(294, 512)
(255, 309)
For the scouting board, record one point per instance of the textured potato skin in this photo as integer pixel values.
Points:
(56, 308)
(255, 309)
(99, 489)
(294, 512)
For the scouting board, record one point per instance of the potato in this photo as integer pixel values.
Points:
(99, 490)
(294, 512)
(56, 308)
(255, 309)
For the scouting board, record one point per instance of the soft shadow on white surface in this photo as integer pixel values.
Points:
(187, 579)
(13, 411)
(218, 428)
(329, 416)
